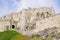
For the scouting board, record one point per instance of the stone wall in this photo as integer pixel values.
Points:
(30, 16)
(4, 25)
(53, 21)
(12, 16)
(27, 19)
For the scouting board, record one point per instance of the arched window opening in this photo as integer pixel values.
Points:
(13, 26)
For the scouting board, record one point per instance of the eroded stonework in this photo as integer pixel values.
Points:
(29, 21)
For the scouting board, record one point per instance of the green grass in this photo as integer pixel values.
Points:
(20, 37)
(12, 35)
(7, 35)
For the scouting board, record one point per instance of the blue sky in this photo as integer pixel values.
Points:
(8, 6)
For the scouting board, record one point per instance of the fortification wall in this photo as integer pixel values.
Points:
(53, 21)
(28, 17)
(4, 25)
(12, 16)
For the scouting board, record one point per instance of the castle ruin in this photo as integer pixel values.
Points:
(29, 21)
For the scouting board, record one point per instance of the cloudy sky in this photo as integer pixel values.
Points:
(8, 6)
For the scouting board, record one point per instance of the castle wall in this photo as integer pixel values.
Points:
(49, 22)
(4, 25)
(12, 16)
(27, 18)
(30, 16)
(32, 13)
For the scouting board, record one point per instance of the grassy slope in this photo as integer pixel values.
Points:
(13, 35)
(20, 37)
(7, 35)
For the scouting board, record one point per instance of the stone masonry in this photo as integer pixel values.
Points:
(29, 21)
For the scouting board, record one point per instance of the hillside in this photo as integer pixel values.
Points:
(7, 35)
(46, 34)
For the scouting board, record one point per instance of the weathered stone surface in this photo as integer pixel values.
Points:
(29, 21)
